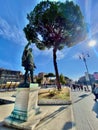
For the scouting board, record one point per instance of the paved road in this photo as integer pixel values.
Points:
(85, 111)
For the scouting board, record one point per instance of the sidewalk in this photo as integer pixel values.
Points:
(58, 117)
(85, 110)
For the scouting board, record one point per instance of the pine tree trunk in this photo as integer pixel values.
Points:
(56, 69)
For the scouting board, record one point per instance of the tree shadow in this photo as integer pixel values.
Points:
(69, 125)
(51, 116)
(82, 97)
(54, 114)
(95, 109)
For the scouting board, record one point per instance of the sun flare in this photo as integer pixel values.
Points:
(92, 43)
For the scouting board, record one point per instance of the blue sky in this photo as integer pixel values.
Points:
(12, 40)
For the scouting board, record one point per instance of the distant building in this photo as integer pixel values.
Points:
(52, 80)
(44, 80)
(7, 75)
(10, 75)
(84, 81)
(96, 75)
(41, 75)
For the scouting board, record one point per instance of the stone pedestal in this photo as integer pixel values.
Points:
(25, 107)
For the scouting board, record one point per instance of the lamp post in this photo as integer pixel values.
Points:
(83, 57)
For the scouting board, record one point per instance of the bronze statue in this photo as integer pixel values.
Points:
(28, 63)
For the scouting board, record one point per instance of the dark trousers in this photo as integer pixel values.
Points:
(96, 96)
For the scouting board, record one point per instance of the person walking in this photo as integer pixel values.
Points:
(95, 92)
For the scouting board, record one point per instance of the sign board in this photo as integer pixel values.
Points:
(95, 75)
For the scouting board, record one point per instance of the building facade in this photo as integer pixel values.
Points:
(10, 76)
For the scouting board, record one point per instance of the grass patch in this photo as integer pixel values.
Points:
(53, 93)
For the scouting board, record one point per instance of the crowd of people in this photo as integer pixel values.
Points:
(79, 87)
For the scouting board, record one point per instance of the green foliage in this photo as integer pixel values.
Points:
(62, 79)
(49, 75)
(57, 23)
(38, 80)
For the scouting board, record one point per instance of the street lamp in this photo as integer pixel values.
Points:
(83, 57)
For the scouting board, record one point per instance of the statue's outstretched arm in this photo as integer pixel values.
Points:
(26, 47)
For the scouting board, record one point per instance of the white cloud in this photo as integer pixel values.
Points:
(49, 52)
(11, 32)
(46, 52)
(76, 56)
(15, 34)
(63, 53)
(60, 55)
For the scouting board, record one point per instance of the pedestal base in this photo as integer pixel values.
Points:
(25, 107)
(27, 125)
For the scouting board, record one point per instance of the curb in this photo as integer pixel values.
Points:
(54, 102)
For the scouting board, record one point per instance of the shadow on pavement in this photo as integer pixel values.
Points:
(2, 127)
(82, 97)
(68, 125)
(95, 109)
(52, 115)
(3, 101)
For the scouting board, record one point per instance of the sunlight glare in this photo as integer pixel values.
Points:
(92, 43)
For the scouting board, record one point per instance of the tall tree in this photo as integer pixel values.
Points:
(62, 79)
(55, 25)
(50, 75)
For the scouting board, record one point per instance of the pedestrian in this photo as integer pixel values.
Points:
(93, 87)
(81, 87)
(74, 87)
(95, 92)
